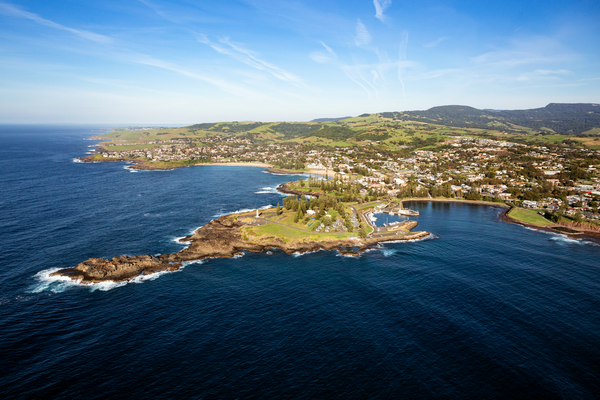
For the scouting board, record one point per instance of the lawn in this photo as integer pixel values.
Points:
(529, 217)
(287, 232)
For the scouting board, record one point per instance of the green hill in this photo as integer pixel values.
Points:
(555, 117)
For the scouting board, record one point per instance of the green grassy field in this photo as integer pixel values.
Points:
(529, 217)
(407, 133)
(290, 233)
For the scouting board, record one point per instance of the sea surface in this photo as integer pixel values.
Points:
(481, 309)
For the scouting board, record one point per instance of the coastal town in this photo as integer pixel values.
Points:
(557, 179)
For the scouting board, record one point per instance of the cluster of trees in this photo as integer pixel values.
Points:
(562, 118)
(348, 191)
(290, 163)
(291, 130)
(364, 171)
(321, 206)
(237, 127)
(376, 134)
(335, 133)
(197, 127)
(412, 190)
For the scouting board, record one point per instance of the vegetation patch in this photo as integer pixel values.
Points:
(529, 217)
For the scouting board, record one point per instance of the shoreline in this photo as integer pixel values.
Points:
(475, 202)
(225, 237)
(143, 165)
(506, 218)
(555, 228)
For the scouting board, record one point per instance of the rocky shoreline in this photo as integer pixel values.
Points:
(285, 189)
(221, 238)
(551, 228)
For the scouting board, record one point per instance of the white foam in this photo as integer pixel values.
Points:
(354, 256)
(270, 190)
(55, 284)
(179, 240)
(244, 210)
(428, 237)
(561, 238)
(77, 160)
(106, 286)
(388, 252)
(275, 173)
(564, 239)
(59, 283)
(299, 254)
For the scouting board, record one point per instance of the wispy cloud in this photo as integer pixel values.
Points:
(371, 75)
(321, 57)
(543, 74)
(540, 50)
(181, 12)
(9, 9)
(380, 7)
(221, 84)
(552, 72)
(436, 42)
(248, 57)
(363, 37)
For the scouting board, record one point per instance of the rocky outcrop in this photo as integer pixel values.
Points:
(222, 238)
(118, 269)
(285, 188)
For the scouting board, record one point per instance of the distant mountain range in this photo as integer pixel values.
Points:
(565, 119)
(328, 119)
(555, 117)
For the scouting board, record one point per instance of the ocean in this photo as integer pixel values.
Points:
(481, 309)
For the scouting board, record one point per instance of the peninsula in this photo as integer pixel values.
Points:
(545, 169)
(325, 225)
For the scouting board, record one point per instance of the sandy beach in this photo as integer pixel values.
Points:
(241, 164)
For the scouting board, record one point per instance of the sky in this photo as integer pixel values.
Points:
(188, 61)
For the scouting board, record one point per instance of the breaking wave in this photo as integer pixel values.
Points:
(58, 284)
(243, 210)
(270, 190)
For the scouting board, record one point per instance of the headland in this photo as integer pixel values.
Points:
(255, 231)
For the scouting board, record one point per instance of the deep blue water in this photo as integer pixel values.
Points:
(486, 309)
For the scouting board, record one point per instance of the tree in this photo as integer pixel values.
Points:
(362, 232)
(278, 210)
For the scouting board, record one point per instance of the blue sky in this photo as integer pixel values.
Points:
(187, 61)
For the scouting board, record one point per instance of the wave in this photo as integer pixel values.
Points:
(274, 173)
(183, 243)
(55, 284)
(564, 239)
(58, 284)
(303, 253)
(561, 238)
(428, 237)
(243, 210)
(77, 160)
(388, 252)
(270, 190)
(353, 256)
